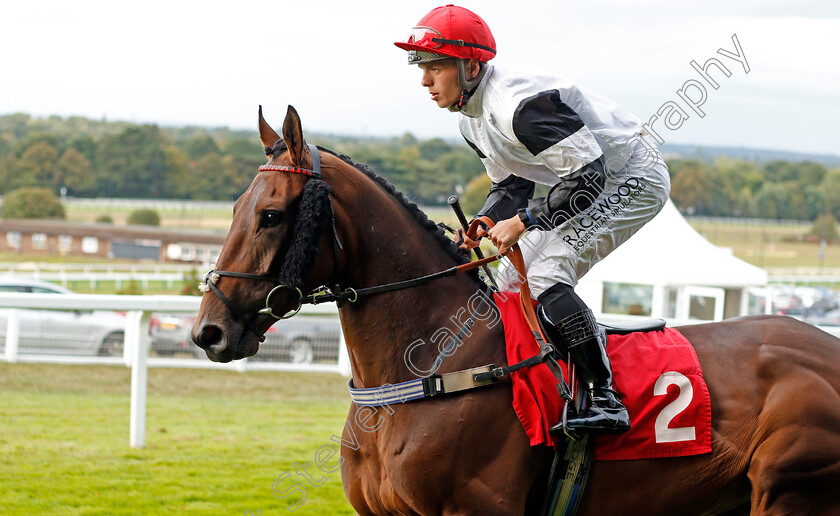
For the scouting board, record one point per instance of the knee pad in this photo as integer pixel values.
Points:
(560, 301)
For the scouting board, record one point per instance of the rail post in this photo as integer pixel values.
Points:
(139, 377)
(12, 335)
(344, 368)
(132, 319)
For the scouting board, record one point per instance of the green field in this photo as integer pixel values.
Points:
(215, 442)
(769, 246)
(209, 219)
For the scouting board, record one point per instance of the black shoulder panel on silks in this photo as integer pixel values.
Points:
(542, 120)
(473, 147)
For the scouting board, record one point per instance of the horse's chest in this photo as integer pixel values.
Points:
(389, 467)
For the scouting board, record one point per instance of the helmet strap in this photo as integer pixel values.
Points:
(468, 86)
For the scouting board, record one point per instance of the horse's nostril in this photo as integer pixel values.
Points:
(209, 336)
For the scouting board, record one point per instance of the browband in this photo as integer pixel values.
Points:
(314, 172)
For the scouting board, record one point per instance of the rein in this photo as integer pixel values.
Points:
(323, 294)
(351, 294)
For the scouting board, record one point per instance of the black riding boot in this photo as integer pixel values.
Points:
(579, 332)
(605, 412)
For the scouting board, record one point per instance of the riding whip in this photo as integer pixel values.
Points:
(455, 202)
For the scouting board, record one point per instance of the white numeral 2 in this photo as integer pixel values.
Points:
(660, 388)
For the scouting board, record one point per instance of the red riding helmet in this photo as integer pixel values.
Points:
(450, 31)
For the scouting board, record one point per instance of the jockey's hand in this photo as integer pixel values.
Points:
(506, 232)
(467, 243)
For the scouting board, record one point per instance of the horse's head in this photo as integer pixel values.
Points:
(271, 253)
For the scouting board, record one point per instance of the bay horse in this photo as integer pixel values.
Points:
(773, 381)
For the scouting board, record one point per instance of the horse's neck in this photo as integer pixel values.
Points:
(391, 246)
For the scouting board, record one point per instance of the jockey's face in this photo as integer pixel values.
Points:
(441, 79)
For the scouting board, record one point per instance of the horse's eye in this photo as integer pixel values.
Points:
(270, 218)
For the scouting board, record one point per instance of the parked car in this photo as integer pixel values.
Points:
(830, 318)
(301, 340)
(170, 335)
(70, 332)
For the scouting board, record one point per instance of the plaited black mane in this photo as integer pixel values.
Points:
(412, 208)
(314, 213)
(437, 233)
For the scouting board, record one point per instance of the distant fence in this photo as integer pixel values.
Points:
(826, 277)
(95, 273)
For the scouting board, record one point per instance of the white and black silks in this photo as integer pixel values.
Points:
(606, 176)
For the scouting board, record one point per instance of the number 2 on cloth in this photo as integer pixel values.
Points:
(673, 409)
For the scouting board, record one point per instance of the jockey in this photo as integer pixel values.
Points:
(606, 179)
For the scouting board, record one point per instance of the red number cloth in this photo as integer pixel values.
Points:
(657, 375)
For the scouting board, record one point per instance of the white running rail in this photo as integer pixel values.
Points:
(136, 343)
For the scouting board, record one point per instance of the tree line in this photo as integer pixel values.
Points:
(97, 158)
(770, 190)
(90, 158)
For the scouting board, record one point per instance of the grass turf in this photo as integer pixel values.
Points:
(215, 442)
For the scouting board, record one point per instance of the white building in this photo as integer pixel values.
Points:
(669, 270)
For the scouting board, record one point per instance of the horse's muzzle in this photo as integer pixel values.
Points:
(217, 344)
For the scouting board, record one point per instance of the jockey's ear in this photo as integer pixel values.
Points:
(293, 135)
(473, 67)
(268, 136)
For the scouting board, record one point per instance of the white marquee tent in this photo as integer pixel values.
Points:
(669, 270)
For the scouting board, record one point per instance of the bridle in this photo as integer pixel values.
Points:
(434, 384)
(323, 294)
(208, 284)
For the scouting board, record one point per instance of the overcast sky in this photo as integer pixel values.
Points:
(212, 63)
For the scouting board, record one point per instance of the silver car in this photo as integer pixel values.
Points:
(170, 335)
(66, 332)
(301, 340)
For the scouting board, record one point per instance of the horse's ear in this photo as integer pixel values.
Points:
(268, 136)
(293, 135)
